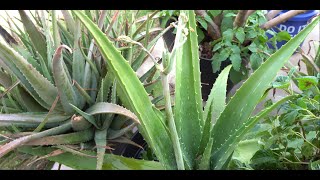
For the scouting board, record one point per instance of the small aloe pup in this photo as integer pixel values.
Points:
(67, 100)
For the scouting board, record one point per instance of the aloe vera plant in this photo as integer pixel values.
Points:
(221, 127)
(65, 99)
(187, 136)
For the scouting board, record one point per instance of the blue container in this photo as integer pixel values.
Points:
(293, 26)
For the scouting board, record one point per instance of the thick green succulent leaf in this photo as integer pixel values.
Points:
(136, 96)
(105, 85)
(103, 108)
(31, 79)
(221, 154)
(101, 142)
(78, 62)
(27, 101)
(111, 162)
(65, 89)
(69, 20)
(205, 159)
(241, 105)
(37, 38)
(188, 101)
(70, 138)
(215, 105)
(32, 118)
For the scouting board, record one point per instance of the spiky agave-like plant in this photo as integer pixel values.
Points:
(66, 100)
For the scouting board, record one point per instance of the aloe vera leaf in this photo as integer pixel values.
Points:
(56, 36)
(33, 81)
(142, 56)
(143, 34)
(37, 38)
(4, 149)
(221, 154)
(73, 151)
(188, 101)
(113, 134)
(83, 93)
(86, 163)
(37, 20)
(90, 82)
(242, 104)
(101, 142)
(28, 125)
(27, 101)
(32, 118)
(94, 85)
(49, 41)
(215, 105)
(63, 82)
(26, 54)
(135, 96)
(103, 108)
(92, 65)
(143, 24)
(69, 20)
(45, 120)
(44, 69)
(205, 159)
(105, 85)
(106, 119)
(114, 18)
(70, 138)
(78, 59)
(65, 33)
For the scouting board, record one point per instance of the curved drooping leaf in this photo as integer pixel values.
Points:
(188, 101)
(65, 89)
(103, 108)
(135, 97)
(111, 162)
(241, 105)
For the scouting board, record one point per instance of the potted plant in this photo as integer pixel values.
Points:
(63, 99)
(174, 137)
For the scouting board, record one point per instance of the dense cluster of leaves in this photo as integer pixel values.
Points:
(288, 139)
(187, 136)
